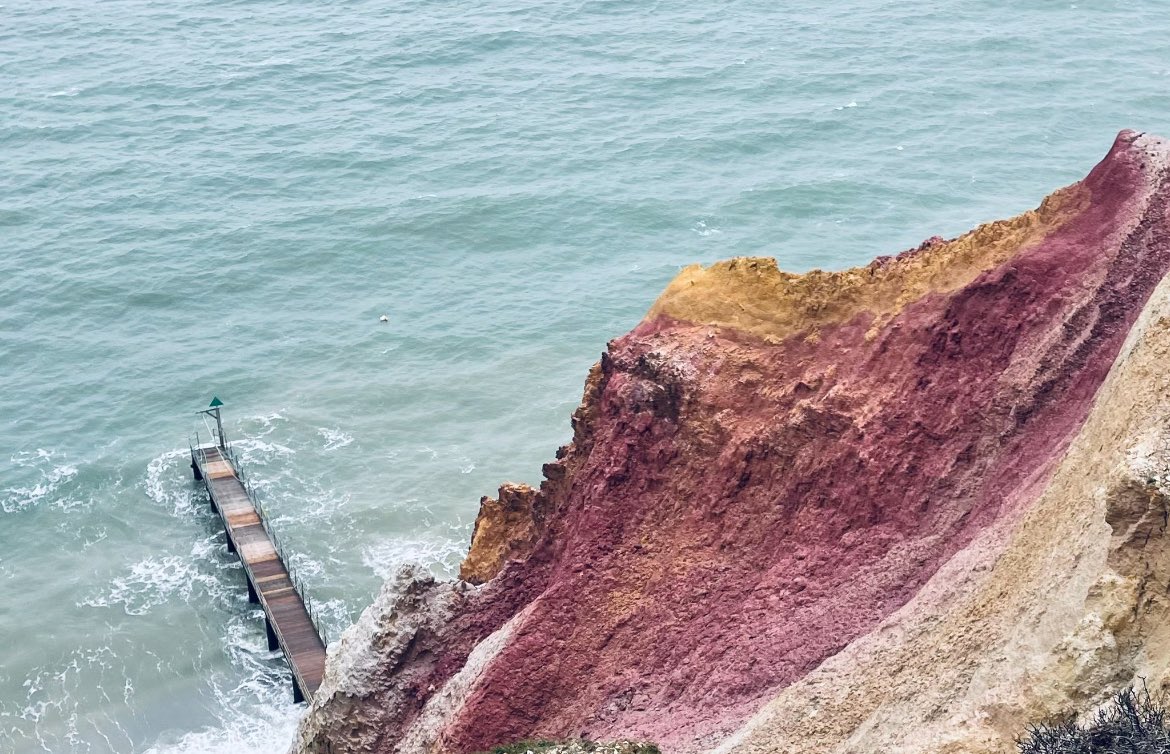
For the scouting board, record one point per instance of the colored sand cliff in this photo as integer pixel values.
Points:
(904, 507)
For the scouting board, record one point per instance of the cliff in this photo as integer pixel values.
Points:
(906, 507)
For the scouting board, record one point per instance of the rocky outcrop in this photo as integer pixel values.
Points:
(506, 529)
(905, 507)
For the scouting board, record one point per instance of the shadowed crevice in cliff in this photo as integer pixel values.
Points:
(770, 465)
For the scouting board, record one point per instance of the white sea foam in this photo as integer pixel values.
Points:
(52, 709)
(334, 438)
(441, 555)
(158, 580)
(254, 715)
(204, 575)
(253, 448)
(268, 422)
(262, 730)
(703, 229)
(52, 475)
(168, 482)
(252, 705)
(305, 566)
(254, 709)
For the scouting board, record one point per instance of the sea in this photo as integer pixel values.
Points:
(222, 198)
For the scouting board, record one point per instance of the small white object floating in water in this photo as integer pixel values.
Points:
(383, 318)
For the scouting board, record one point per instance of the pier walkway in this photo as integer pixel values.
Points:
(289, 618)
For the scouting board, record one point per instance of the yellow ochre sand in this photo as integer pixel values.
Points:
(751, 294)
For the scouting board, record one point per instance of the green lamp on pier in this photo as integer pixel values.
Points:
(213, 410)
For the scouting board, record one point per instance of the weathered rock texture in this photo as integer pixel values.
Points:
(506, 529)
(900, 508)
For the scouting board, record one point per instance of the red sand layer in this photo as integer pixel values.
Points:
(733, 511)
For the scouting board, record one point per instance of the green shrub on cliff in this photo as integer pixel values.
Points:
(1134, 722)
(523, 747)
(580, 746)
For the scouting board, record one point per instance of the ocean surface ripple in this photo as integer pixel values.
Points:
(222, 198)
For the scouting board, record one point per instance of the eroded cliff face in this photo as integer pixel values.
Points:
(897, 508)
(506, 528)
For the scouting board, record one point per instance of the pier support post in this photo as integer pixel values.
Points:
(298, 695)
(230, 544)
(195, 468)
(255, 600)
(273, 643)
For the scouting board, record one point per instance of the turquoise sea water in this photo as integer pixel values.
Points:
(222, 197)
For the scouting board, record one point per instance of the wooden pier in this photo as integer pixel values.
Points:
(288, 617)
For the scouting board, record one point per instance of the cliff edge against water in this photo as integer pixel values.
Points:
(908, 507)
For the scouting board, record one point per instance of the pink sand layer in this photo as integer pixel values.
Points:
(735, 512)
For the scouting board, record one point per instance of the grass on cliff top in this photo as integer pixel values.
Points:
(1134, 722)
(580, 746)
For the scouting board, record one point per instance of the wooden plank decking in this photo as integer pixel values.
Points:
(287, 620)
